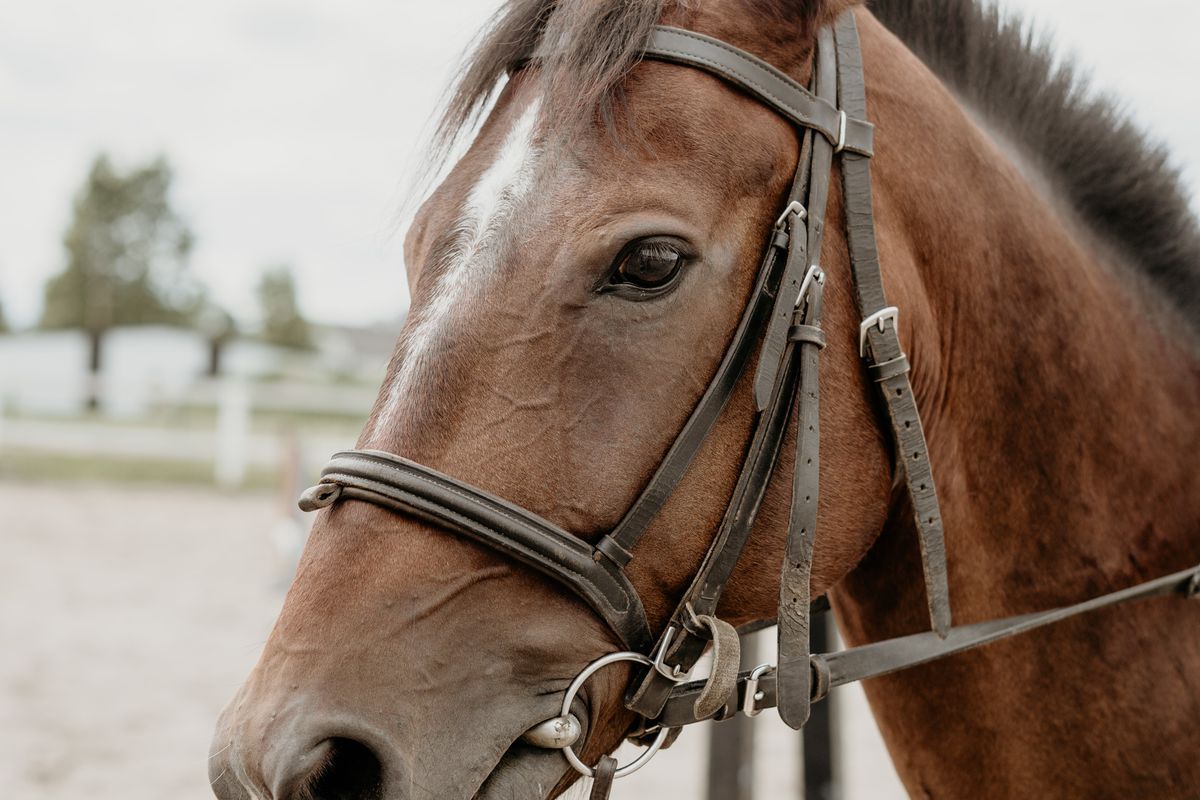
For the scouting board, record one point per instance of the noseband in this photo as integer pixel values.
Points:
(781, 323)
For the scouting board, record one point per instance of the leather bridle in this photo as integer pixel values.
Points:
(781, 323)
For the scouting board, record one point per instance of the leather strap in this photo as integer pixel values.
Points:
(602, 779)
(726, 658)
(686, 644)
(792, 636)
(831, 670)
(771, 356)
(883, 340)
(401, 485)
(677, 459)
(763, 81)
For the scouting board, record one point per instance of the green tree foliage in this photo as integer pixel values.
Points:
(127, 252)
(4, 327)
(283, 323)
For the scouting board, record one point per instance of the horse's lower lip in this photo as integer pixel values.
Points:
(525, 771)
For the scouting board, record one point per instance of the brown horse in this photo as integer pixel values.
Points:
(576, 278)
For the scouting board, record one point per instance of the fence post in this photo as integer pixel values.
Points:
(817, 741)
(731, 747)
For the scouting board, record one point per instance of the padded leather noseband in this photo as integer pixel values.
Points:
(401, 485)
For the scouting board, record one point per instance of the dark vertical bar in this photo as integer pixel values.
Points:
(818, 738)
(95, 361)
(731, 748)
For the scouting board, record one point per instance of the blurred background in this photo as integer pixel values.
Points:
(202, 208)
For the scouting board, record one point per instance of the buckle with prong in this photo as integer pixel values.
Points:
(794, 209)
(877, 319)
(753, 695)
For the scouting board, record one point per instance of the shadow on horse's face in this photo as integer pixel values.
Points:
(572, 295)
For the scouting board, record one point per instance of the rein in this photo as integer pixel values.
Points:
(781, 324)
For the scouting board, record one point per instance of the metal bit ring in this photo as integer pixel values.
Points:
(588, 671)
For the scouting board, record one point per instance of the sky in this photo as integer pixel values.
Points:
(295, 127)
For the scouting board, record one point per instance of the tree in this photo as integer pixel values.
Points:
(4, 327)
(283, 323)
(127, 252)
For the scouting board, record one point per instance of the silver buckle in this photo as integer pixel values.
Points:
(753, 695)
(814, 273)
(877, 319)
(794, 208)
(672, 673)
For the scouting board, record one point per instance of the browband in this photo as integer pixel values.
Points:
(758, 78)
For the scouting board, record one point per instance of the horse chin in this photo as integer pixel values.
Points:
(526, 772)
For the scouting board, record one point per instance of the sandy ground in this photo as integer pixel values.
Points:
(128, 616)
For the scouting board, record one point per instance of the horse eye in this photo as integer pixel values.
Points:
(648, 264)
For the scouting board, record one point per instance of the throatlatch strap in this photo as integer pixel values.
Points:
(882, 340)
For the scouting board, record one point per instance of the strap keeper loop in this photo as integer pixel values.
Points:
(821, 678)
(889, 369)
(810, 334)
(610, 549)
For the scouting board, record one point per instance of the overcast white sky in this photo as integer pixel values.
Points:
(293, 125)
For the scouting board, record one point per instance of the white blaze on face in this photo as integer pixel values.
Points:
(470, 263)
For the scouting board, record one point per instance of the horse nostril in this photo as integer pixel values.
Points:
(351, 771)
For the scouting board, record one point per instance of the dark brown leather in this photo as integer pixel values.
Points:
(734, 363)
(761, 80)
(771, 355)
(912, 454)
(399, 484)
(602, 780)
(648, 694)
(881, 658)
(792, 636)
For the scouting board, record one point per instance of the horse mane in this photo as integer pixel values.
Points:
(1121, 183)
(591, 47)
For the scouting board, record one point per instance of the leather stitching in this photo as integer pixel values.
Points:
(470, 522)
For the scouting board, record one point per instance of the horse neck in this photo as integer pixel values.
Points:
(1061, 416)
